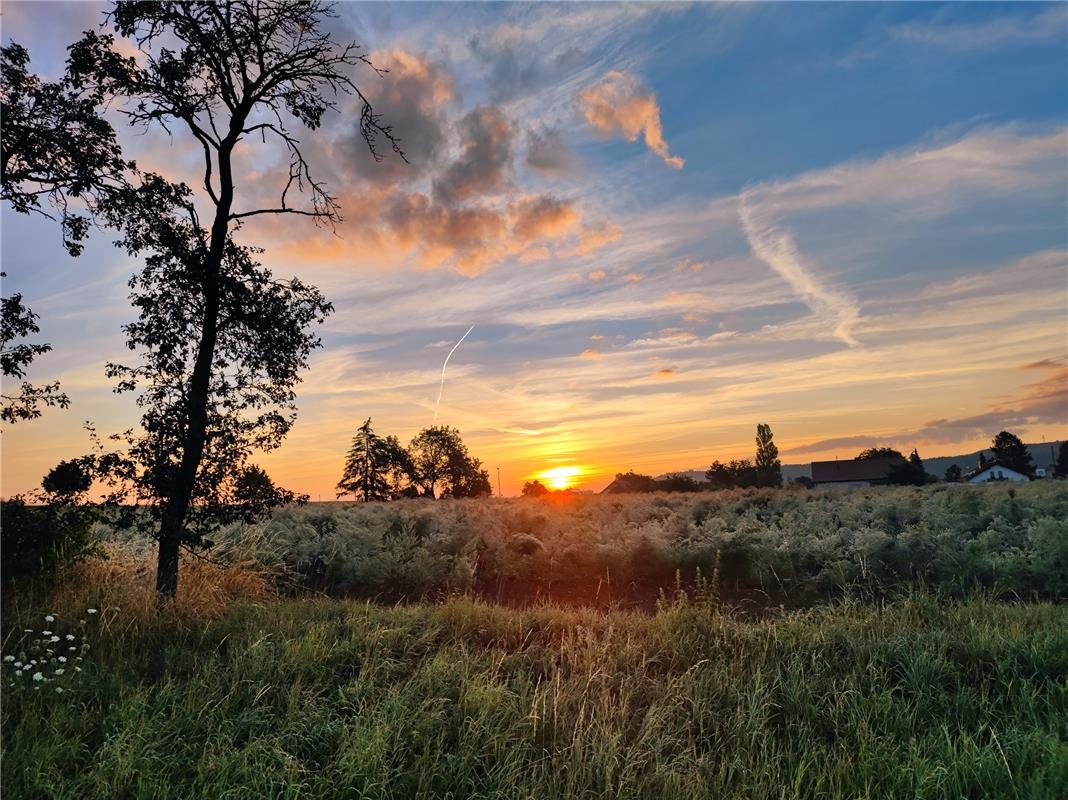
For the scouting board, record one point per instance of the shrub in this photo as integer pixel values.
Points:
(38, 540)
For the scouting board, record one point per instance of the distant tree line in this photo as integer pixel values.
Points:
(436, 463)
(765, 469)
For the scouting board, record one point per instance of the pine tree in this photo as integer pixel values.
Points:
(953, 474)
(1012, 453)
(375, 468)
(768, 466)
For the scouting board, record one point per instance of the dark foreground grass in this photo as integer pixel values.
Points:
(332, 699)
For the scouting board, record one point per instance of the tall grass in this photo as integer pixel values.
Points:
(335, 699)
(793, 546)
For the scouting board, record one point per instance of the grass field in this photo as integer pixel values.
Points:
(255, 686)
(335, 699)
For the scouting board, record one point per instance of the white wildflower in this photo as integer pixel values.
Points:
(54, 639)
(90, 611)
(38, 676)
(49, 618)
(70, 637)
(46, 633)
(59, 689)
(59, 672)
(9, 659)
(77, 669)
(18, 665)
(62, 659)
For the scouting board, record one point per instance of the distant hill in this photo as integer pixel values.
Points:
(1044, 454)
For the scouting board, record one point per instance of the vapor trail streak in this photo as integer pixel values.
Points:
(441, 389)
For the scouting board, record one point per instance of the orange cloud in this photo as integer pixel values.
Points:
(544, 218)
(593, 237)
(590, 353)
(597, 275)
(620, 106)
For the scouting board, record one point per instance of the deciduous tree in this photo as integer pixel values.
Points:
(224, 73)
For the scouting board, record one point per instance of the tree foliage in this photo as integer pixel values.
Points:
(1061, 468)
(1011, 452)
(767, 464)
(54, 146)
(441, 465)
(223, 341)
(953, 474)
(376, 468)
(17, 323)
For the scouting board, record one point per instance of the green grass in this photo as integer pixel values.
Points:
(336, 699)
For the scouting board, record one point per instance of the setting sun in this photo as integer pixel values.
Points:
(559, 478)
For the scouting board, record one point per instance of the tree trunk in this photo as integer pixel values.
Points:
(172, 525)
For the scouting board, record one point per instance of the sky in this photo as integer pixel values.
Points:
(667, 223)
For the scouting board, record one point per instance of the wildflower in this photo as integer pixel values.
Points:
(46, 633)
(54, 639)
(9, 659)
(72, 648)
(18, 665)
(27, 630)
(38, 676)
(33, 661)
(62, 659)
(77, 669)
(59, 690)
(70, 637)
(49, 618)
(59, 672)
(81, 622)
(90, 611)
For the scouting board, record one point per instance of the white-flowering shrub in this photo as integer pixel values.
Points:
(50, 658)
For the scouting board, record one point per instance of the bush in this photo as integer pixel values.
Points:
(38, 540)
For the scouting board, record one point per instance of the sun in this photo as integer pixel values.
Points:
(559, 478)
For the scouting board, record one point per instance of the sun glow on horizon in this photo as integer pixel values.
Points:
(559, 478)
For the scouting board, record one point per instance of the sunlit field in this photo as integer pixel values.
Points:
(874, 643)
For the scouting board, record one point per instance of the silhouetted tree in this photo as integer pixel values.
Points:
(226, 350)
(376, 468)
(255, 494)
(631, 482)
(675, 482)
(18, 322)
(804, 481)
(68, 479)
(768, 466)
(441, 465)
(534, 488)
(879, 452)
(1010, 452)
(1061, 468)
(953, 474)
(54, 146)
(718, 476)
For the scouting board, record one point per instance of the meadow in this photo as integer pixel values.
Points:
(874, 643)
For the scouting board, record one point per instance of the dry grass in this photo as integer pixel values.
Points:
(121, 584)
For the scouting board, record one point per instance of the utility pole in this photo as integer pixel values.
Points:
(499, 482)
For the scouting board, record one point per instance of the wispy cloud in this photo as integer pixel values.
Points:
(775, 246)
(1010, 30)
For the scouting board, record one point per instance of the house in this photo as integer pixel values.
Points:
(994, 471)
(866, 472)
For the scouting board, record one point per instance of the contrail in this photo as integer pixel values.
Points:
(442, 387)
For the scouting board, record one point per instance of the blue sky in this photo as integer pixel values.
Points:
(667, 222)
